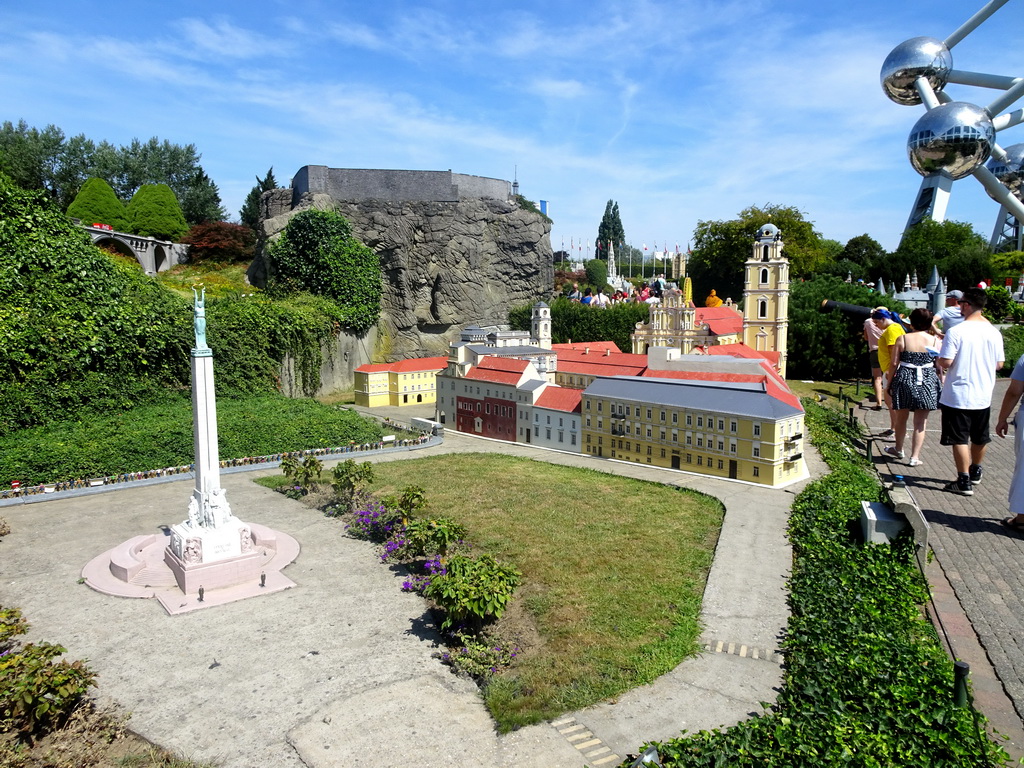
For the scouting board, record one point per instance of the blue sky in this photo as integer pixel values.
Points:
(680, 111)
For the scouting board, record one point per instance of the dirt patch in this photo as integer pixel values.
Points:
(93, 737)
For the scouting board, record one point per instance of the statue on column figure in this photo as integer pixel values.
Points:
(199, 310)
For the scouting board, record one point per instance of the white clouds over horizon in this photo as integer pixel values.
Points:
(679, 111)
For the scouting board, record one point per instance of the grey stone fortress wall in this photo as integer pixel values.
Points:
(396, 186)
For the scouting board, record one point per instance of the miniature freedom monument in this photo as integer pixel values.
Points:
(212, 557)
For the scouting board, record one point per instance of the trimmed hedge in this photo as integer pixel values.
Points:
(866, 682)
(156, 436)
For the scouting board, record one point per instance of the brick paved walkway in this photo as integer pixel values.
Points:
(983, 561)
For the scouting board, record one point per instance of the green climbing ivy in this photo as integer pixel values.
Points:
(317, 254)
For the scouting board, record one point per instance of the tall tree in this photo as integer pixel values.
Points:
(609, 231)
(864, 251)
(201, 200)
(249, 215)
(45, 159)
(960, 253)
(722, 247)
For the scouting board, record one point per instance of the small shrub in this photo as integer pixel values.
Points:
(372, 520)
(348, 477)
(433, 537)
(479, 657)
(474, 590)
(12, 624)
(5, 528)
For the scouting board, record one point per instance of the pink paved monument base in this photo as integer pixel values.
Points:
(145, 567)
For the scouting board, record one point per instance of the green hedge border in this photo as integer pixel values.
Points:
(866, 682)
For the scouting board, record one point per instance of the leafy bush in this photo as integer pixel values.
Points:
(580, 323)
(77, 330)
(35, 691)
(374, 521)
(866, 682)
(97, 203)
(474, 590)
(1013, 347)
(829, 345)
(317, 253)
(220, 241)
(597, 273)
(433, 536)
(348, 477)
(154, 211)
(479, 657)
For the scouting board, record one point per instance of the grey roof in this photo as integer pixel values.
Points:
(532, 384)
(727, 397)
(516, 350)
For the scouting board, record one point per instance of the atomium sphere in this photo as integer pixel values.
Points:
(1010, 172)
(953, 138)
(917, 57)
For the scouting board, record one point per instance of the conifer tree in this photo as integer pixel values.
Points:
(609, 231)
(154, 212)
(96, 203)
(250, 212)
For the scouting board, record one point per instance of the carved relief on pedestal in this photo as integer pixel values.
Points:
(219, 509)
(193, 551)
(245, 539)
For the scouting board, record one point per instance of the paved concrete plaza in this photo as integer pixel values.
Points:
(340, 670)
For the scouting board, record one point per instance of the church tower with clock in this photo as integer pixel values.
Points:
(766, 296)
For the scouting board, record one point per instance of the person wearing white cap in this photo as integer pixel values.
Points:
(950, 316)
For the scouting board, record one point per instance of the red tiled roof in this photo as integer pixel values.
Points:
(509, 364)
(721, 320)
(595, 368)
(598, 346)
(560, 399)
(406, 366)
(478, 373)
(742, 350)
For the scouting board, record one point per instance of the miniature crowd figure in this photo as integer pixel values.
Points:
(972, 352)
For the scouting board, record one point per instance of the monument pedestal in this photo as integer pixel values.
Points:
(214, 558)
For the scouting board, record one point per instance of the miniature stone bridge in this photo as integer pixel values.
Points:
(152, 254)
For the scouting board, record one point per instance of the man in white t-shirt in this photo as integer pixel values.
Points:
(971, 354)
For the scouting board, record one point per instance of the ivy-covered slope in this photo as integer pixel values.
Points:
(81, 332)
(77, 330)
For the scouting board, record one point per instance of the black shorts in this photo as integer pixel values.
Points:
(960, 427)
(873, 357)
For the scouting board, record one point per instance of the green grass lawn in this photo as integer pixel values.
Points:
(613, 570)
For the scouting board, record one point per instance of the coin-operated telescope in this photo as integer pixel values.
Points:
(860, 313)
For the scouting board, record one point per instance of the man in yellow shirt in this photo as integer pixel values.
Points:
(891, 330)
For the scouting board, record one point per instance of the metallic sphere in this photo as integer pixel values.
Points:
(917, 57)
(1010, 172)
(953, 138)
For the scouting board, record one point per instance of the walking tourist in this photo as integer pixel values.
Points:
(871, 335)
(950, 315)
(913, 384)
(971, 354)
(891, 330)
(1010, 400)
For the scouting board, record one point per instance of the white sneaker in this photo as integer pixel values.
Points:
(892, 452)
(914, 462)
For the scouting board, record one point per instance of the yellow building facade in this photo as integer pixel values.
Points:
(728, 429)
(405, 382)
